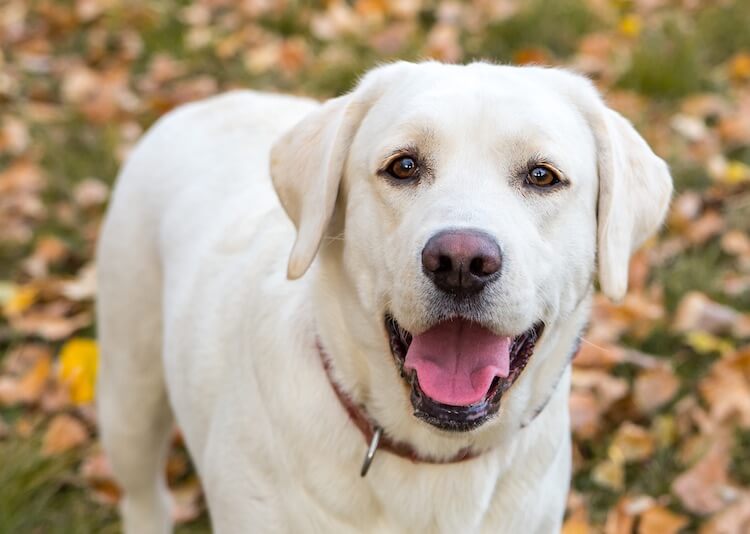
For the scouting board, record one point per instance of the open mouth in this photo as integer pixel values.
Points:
(458, 370)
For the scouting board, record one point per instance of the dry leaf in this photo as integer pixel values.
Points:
(631, 443)
(577, 523)
(653, 388)
(701, 488)
(697, 312)
(64, 433)
(609, 474)
(659, 520)
(726, 389)
(734, 519)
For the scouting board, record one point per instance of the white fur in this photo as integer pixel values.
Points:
(198, 321)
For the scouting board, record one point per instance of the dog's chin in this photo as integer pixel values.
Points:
(452, 411)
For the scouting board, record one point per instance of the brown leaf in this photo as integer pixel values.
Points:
(726, 389)
(97, 472)
(701, 488)
(698, 312)
(599, 354)
(705, 227)
(734, 519)
(621, 518)
(50, 325)
(64, 433)
(31, 386)
(653, 388)
(585, 414)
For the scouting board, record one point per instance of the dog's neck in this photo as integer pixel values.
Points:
(375, 436)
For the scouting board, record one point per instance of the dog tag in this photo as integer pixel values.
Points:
(371, 450)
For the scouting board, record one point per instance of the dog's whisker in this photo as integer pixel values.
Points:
(584, 340)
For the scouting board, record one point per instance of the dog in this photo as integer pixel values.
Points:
(446, 225)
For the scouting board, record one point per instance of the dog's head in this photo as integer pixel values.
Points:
(467, 208)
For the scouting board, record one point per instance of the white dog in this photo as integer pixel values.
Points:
(447, 221)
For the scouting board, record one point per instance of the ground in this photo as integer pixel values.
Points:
(661, 388)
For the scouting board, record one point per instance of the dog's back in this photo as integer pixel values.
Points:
(203, 163)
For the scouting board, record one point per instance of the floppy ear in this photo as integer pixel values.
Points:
(307, 164)
(634, 192)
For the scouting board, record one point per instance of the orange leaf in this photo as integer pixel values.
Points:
(659, 520)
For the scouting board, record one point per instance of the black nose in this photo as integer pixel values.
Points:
(461, 262)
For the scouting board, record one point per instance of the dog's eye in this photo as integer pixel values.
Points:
(403, 168)
(542, 177)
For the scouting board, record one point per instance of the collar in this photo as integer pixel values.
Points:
(373, 433)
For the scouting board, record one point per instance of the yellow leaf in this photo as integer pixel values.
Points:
(705, 343)
(631, 443)
(630, 25)
(736, 173)
(20, 300)
(78, 364)
(609, 474)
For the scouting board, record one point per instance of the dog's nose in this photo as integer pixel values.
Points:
(461, 262)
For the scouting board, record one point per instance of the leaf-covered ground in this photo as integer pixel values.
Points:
(661, 388)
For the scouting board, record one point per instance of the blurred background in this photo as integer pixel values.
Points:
(661, 389)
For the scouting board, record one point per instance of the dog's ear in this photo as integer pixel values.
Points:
(307, 164)
(635, 188)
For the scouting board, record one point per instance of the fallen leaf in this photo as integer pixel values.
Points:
(701, 488)
(734, 519)
(64, 433)
(31, 386)
(726, 389)
(660, 520)
(631, 443)
(697, 312)
(77, 368)
(653, 388)
(22, 299)
(577, 523)
(97, 472)
(609, 474)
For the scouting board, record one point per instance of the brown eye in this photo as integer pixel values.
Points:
(542, 177)
(403, 168)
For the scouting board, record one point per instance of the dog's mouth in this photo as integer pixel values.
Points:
(458, 370)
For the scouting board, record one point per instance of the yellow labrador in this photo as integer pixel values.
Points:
(445, 225)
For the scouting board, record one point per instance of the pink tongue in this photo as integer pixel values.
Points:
(456, 361)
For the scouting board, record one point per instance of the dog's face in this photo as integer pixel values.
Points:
(471, 201)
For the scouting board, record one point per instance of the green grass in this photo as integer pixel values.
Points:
(41, 495)
(665, 63)
(555, 25)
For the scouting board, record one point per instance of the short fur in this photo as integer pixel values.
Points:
(199, 322)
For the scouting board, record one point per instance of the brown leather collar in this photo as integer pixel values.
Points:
(373, 433)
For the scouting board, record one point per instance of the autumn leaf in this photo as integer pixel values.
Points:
(64, 433)
(660, 520)
(77, 368)
(20, 300)
(631, 443)
(653, 388)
